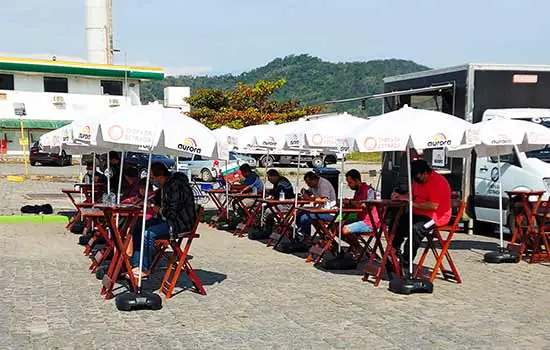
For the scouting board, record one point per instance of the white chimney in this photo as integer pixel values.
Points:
(99, 33)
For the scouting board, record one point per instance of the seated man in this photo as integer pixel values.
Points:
(281, 185)
(175, 204)
(431, 207)
(363, 224)
(114, 165)
(98, 178)
(130, 183)
(251, 184)
(320, 189)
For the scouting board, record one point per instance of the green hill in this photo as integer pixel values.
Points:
(309, 80)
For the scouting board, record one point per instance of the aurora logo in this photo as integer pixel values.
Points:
(269, 141)
(439, 140)
(85, 134)
(501, 140)
(189, 145)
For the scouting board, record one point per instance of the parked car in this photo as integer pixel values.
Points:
(38, 155)
(209, 169)
(140, 161)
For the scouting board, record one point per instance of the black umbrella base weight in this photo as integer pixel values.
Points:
(502, 256)
(139, 301)
(411, 286)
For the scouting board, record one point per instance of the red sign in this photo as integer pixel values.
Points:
(525, 78)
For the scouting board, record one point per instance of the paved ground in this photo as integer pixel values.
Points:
(259, 298)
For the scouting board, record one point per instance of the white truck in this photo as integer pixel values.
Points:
(476, 92)
(314, 159)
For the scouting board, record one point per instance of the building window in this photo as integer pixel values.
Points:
(52, 84)
(6, 81)
(111, 87)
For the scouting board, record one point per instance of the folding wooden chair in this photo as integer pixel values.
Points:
(444, 253)
(178, 260)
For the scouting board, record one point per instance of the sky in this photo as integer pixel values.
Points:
(232, 36)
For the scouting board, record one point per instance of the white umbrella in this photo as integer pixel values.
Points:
(227, 141)
(409, 128)
(326, 133)
(148, 128)
(498, 136)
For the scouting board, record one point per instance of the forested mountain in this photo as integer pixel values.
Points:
(308, 79)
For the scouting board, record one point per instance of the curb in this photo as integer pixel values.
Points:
(38, 219)
(51, 178)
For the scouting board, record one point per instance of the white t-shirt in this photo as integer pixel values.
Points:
(324, 189)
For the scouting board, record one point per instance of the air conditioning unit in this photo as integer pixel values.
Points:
(114, 102)
(58, 100)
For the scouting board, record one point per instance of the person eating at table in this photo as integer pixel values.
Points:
(363, 192)
(175, 204)
(431, 194)
(114, 165)
(281, 188)
(130, 183)
(320, 191)
(98, 178)
(250, 184)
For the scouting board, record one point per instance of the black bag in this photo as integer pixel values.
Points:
(37, 209)
(341, 262)
(143, 301)
(292, 247)
(78, 227)
(257, 235)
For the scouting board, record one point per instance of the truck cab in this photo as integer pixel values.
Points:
(520, 171)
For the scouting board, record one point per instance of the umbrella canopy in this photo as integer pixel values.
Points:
(409, 128)
(330, 132)
(227, 141)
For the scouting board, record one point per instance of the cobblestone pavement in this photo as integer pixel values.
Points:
(259, 298)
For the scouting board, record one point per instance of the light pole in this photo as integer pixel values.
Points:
(125, 73)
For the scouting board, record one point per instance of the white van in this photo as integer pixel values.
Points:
(520, 171)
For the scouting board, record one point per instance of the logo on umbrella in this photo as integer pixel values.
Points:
(189, 145)
(317, 139)
(85, 133)
(116, 132)
(501, 139)
(269, 141)
(293, 140)
(370, 143)
(439, 140)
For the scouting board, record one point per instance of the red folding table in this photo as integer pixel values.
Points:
(524, 217)
(122, 237)
(326, 230)
(221, 202)
(283, 218)
(389, 214)
(250, 213)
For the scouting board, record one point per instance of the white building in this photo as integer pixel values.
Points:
(45, 95)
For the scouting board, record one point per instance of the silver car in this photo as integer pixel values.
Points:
(209, 169)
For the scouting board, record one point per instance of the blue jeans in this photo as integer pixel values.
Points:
(154, 229)
(305, 224)
(359, 227)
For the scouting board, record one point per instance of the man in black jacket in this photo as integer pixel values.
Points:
(175, 204)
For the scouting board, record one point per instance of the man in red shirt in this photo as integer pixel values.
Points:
(363, 225)
(431, 207)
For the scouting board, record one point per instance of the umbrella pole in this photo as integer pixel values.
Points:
(93, 178)
(263, 195)
(296, 193)
(500, 201)
(227, 206)
(341, 207)
(409, 182)
(119, 183)
(144, 219)
(108, 166)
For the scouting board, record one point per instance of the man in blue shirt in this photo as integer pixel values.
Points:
(250, 184)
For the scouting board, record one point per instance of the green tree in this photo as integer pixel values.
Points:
(246, 105)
